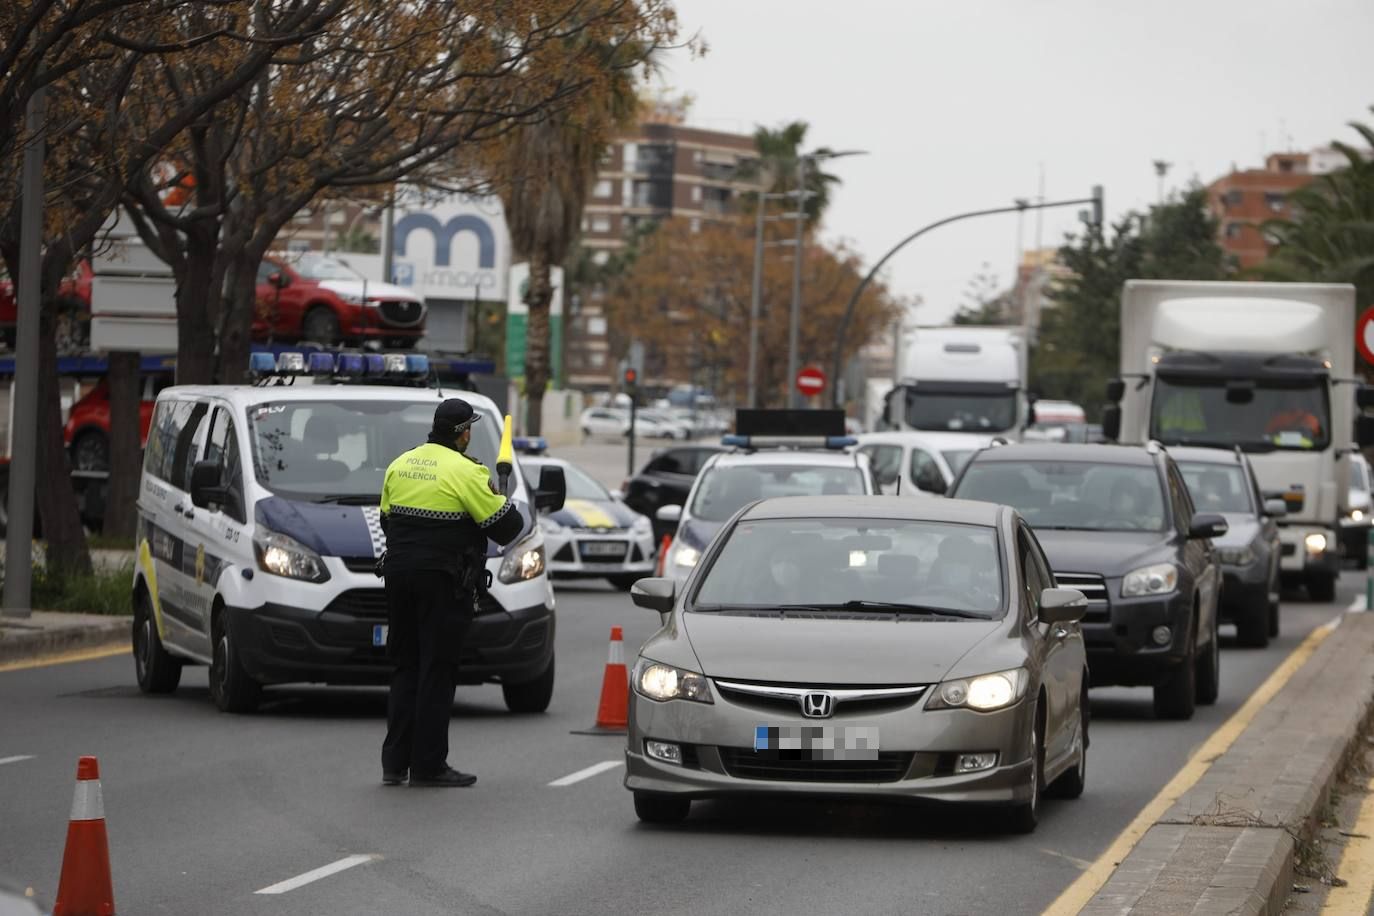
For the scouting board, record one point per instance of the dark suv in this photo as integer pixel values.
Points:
(665, 481)
(1118, 524)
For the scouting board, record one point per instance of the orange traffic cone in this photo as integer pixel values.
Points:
(663, 554)
(613, 714)
(85, 888)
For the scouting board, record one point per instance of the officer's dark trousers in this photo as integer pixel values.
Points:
(427, 622)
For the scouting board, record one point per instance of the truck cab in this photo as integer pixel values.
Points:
(1263, 366)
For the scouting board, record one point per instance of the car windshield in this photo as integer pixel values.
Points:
(723, 491)
(321, 267)
(1217, 487)
(581, 486)
(1257, 418)
(884, 565)
(973, 412)
(339, 450)
(957, 458)
(1071, 494)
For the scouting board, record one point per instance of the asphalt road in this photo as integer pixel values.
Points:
(206, 809)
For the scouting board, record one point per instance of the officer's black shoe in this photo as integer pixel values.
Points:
(448, 777)
(393, 778)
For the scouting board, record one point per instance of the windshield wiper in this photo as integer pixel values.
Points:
(859, 603)
(349, 499)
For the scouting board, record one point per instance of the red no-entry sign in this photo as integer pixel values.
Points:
(810, 380)
(1364, 335)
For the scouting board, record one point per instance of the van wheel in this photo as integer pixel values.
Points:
(531, 696)
(654, 808)
(230, 686)
(1176, 696)
(158, 671)
(321, 326)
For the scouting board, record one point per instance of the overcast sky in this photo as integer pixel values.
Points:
(959, 103)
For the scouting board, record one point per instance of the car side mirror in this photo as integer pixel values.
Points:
(1275, 508)
(279, 280)
(1116, 390)
(1364, 431)
(669, 513)
(618, 495)
(1207, 525)
(1111, 422)
(552, 490)
(206, 484)
(654, 594)
(1062, 605)
(1293, 500)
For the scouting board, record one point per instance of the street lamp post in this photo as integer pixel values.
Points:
(794, 326)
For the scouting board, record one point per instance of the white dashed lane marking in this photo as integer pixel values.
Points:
(5, 760)
(588, 773)
(324, 871)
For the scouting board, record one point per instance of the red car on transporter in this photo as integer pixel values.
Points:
(319, 298)
(73, 295)
(87, 433)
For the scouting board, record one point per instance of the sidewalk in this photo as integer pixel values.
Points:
(47, 633)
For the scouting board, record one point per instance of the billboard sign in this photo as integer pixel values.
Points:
(452, 247)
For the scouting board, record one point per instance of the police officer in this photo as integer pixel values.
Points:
(439, 508)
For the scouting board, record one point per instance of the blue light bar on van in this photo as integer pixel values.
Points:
(530, 445)
(260, 364)
(417, 364)
(395, 363)
(320, 364)
(291, 363)
(350, 364)
(374, 364)
(755, 442)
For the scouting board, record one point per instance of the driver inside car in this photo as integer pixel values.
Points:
(958, 575)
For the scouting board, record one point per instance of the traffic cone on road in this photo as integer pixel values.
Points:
(85, 888)
(663, 554)
(612, 713)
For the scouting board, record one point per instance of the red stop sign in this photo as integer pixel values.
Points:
(1364, 335)
(810, 380)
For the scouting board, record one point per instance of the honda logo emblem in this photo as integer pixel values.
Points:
(817, 705)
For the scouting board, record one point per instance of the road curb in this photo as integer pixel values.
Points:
(1228, 844)
(52, 633)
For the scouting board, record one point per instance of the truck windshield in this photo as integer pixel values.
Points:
(1199, 412)
(993, 412)
(338, 451)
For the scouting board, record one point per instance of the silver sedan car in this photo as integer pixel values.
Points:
(866, 647)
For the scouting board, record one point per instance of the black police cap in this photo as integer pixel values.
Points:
(456, 415)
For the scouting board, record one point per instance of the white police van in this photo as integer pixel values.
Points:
(259, 532)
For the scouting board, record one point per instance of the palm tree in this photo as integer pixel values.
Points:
(1330, 236)
(776, 168)
(549, 166)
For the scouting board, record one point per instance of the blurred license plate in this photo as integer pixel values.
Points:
(603, 549)
(379, 634)
(817, 742)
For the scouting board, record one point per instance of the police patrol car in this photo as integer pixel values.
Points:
(775, 453)
(259, 533)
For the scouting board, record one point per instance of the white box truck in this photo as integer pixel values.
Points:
(963, 379)
(1263, 366)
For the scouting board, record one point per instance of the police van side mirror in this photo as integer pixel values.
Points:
(206, 484)
(552, 490)
(1111, 422)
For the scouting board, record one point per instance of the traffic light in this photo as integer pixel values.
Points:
(1097, 205)
(631, 377)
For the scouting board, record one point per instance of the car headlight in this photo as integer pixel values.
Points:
(524, 562)
(664, 682)
(351, 298)
(285, 556)
(1315, 542)
(1236, 556)
(685, 556)
(642, 525)
(549, 525)
(1357, 515)
(1159, 579)
(983, 693)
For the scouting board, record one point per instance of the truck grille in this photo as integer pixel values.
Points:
(402, 314)
(1094, 588)
(747, 764)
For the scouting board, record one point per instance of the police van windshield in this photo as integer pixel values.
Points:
(338, 451)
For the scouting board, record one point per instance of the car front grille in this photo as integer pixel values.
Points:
(1094, 588)
(402, 314)
(360, 564)
(848, 706)
(361, 603)
(1288, 550)
(742, 763)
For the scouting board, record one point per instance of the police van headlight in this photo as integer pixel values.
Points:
(524, 562)
(287, 557)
